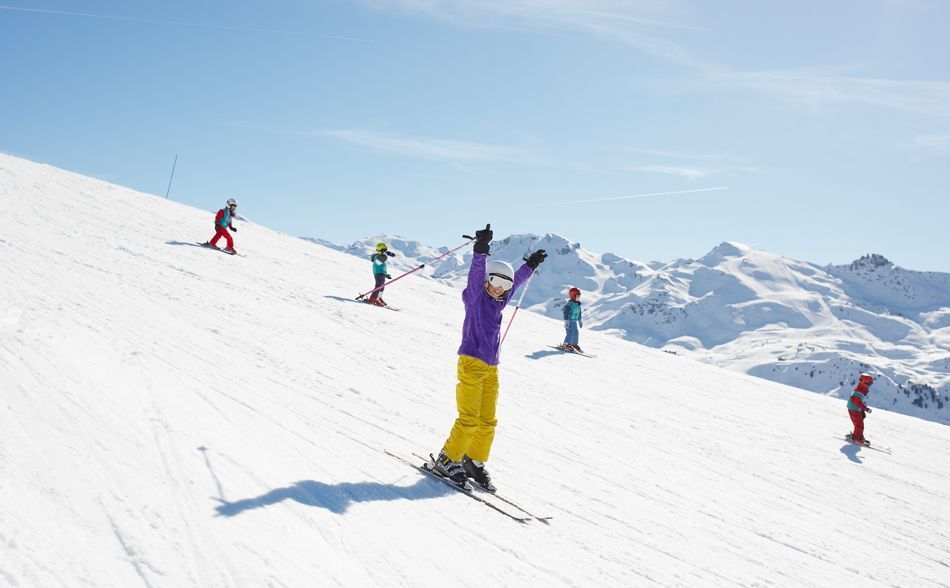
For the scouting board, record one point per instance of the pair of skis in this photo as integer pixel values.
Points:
(387, 307)
(886, 450)
(574, 351)
(500, 504)
(210, 246)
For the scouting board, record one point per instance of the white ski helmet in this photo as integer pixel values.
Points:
(232, 202)
(500, 269)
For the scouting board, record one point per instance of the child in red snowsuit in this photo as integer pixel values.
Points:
(857, 407)
(222, 222)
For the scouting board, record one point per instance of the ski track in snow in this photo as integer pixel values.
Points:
(173, 417)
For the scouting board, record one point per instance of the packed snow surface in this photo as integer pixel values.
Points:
(173, 416)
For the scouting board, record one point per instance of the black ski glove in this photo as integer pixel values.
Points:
(233, 229)
(388, 277)
(867, 410)
(536, 259)
(390, 253)
(482, 239)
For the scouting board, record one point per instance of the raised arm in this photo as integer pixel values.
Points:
(476, 276)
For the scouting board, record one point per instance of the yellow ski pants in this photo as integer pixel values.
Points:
(475, 396)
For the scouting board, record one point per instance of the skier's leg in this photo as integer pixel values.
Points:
(857, 419)
(380, 280)
(481, 443)
(468, 400)
(219, 232)
(572, 333)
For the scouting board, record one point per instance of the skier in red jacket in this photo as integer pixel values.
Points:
(857, 409)
(222, 222)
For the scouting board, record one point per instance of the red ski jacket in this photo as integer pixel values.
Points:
(856, 402)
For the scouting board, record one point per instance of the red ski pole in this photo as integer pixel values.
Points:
(414, 270)
(523, 292)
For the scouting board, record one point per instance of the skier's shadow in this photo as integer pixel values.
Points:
(851, 451)
(182, 243)
(336, 498)
(342, 299)
(541, 354)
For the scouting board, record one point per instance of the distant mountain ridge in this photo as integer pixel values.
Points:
(798, 323)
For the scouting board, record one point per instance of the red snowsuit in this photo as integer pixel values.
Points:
(856, 410)
(222, 230)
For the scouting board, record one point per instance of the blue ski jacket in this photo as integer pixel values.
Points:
(572, 311)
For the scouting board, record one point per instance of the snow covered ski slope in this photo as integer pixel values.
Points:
(173, 417)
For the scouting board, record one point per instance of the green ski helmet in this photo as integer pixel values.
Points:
(380, 247)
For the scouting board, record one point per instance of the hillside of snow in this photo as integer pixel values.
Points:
(789, 321)
(173, 416)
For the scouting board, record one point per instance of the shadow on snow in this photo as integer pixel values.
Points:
(545, 353)
(336, 498)
(183, 244)
(851, 451)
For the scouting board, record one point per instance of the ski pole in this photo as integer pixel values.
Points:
(414, 270)
(523, 292)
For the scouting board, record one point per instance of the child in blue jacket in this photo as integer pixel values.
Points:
(573, 318)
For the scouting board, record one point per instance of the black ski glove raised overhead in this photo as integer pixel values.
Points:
(482, 239)
(536, 259)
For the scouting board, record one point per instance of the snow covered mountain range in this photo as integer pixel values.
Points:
(798, 323)
(171, 416)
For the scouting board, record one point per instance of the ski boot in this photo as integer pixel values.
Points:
(453, 471)
(477, 472)
(230, 251)
(577, 348)
(850, 437)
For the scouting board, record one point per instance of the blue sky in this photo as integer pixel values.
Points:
(824, 126)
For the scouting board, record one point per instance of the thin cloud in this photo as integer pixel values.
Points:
(429, 148)
(636, 23)
(690, 173)
(693, 166)
(625, 21)
(179, 23)
(933, 145)
(630, 197)
(817, 90)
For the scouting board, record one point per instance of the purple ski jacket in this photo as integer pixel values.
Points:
(481, 330)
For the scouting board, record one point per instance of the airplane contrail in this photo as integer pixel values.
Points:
(179, 23)
(630, 197)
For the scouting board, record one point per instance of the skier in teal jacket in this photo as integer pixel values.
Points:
(380, 273)
(222, 222)
(573, 318)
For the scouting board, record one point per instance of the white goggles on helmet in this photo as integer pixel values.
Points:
(500, 281)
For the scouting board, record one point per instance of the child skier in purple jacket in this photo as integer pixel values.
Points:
(491, 284)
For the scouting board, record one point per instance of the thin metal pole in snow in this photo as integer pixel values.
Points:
(170, 177)
(523, 292)
(412, 271)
